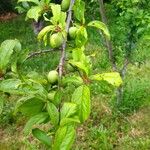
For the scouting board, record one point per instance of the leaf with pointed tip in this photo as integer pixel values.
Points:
(81, 37)
(64, 138)
(11, 86)
(81, 97)
(100, 25)
(80, 65)
(42, 136)
(79, 9)
(44, 31)
(53, 113)
(35, 120)
(113, 78)
(6, 50)
(75, 80)
(68, 110)
(34, 12)
(56, 10)
(29, 106)
(70, 121)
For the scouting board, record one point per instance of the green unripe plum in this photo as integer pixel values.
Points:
(65, 5)
(56, 40)
(51, 95)
(52, 76)
(72, 32)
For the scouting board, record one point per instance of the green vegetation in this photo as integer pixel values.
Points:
(111, 125)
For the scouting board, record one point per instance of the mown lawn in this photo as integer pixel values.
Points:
(107, 128)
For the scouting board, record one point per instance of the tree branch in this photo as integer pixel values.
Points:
(34, 54)
(108, 42)
(62, 59)
(123, 70)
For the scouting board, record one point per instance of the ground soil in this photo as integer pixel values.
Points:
(7, 16)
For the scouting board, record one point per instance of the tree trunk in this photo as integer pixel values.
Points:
(108, 42)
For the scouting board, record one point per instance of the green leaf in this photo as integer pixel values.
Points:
(6, 50)
(113, 78)
(29, 106)
(42, 136)
(100, 25)
(34, 12)
(64, 138)
(78, 54)
(11, 86)
(56, 10)
(33, 1)
(70, 121)
(63, 19)
(36, 77)
(58, 97)
(81, 37)
(44, 31)
(53, 113)
(75, 80)
(79, 9)
(80, 65)
(35, 120)
(68, 110)
(31, 87)
(81, 97)
(146, 37)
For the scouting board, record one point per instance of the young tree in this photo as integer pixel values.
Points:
(43, 99)
(129, 23)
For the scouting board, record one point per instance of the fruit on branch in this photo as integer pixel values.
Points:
(53, 76)
(51, 95)
(56, 40)
(72, 32)
(65, 5)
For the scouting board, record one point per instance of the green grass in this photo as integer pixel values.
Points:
(21, 30)
(105, 129)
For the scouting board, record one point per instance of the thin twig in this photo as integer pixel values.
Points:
(109, 45)
(33, 54)
(62, 59)
(123, 70)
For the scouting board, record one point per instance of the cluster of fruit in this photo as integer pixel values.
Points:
(56, 39)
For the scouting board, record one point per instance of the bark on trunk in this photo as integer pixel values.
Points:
(108, 42)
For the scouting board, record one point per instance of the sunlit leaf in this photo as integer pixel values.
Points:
(29, 106)
(100, 25)
(37, 119)
(113, 78)
(42, 136)
(81, 37)
(6, 50)
(68, 110)
(81, 97)
(56, 10)
(34, 12)
(64, 138)
(53, 113)
(44, 31)
(79, 9)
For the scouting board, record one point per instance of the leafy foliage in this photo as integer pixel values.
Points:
(42, 98)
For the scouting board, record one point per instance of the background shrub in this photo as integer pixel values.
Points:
(7, 6)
